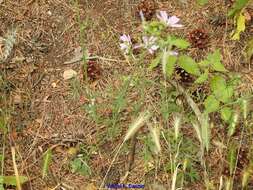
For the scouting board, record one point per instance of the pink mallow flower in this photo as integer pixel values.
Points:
(169, 21)
(126, 43)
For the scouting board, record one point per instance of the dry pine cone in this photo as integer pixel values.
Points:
(198, 38)
(148, 8)
(93, 70)
(182, 76)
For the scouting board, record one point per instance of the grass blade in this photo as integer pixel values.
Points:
(47, 158)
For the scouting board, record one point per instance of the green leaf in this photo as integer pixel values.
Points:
(218, 83)
(215, 61)
(154, 28)
(237, 7)
(226, 114)
(189, 65)
(202, 2)
(219, 87)
(240, 22)
(180, 43)
(226, 94)
(204, 63)
(166, 108)
(155, 62)
(171, 60)
(202, 78)
(211, 104)
(11, 180)
(80, 166)
(47, 158)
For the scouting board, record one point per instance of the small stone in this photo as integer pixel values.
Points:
(69, 74)
(54, 84)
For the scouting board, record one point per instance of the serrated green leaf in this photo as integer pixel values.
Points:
(189, 65)
(204, 63)
(155, 62)
(80, 166)
(211, 104)
(154, 28)
(215, 61)
(202, 78)
(240, 22)
(180, 43)
(217, 83)
(11, 180)
(47, 158)
(226, 114)
(170, 65)
(225, 94)
(220, 89)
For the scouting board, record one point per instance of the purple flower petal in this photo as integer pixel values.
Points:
(125, 38)
(173, 20)
(173, 53)
(163, 16)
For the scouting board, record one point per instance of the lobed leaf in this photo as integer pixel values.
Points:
(225, 94)
(180, 43)
(226, 114)
(211, 104)
(189, 65)
(202, 78)
(217, 83)
(215, 61)
(155, 62)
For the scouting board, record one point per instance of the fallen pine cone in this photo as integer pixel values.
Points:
(93, 70)
(148, 8)
(198, 38)
(183, 76)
